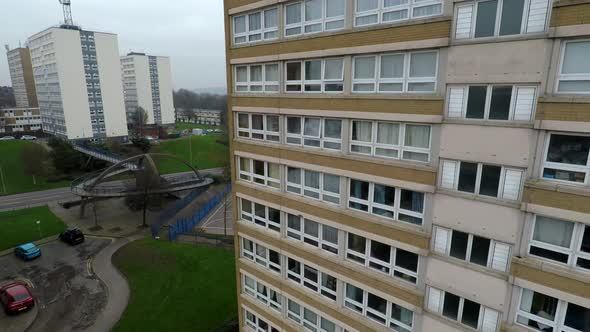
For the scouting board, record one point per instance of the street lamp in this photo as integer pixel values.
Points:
(39, 227)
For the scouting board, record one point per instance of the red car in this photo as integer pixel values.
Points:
(16, 297)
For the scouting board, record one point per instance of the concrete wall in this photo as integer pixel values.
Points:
(107, 55)
(166, 89)
(143, 85)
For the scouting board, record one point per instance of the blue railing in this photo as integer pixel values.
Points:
(174, 209)
(186, 225)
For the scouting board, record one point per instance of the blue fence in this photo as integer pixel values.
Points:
(186, 225)
(174, 209)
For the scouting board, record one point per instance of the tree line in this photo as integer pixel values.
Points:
(188, 100)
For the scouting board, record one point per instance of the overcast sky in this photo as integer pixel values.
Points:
(189, 31)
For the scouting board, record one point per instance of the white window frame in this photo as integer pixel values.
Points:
(255, 325)
(250, 132)
(264, 297)
(369, 260)
(323, 21)
(262, 84)
(251, 177)
(365, 310)
(258, 259)
(560, 313)
(321, 138)
(573, 251)
(315, 286)
(482, 309)
(565, 167)
(299, 318)
(262, 31)
(264, 222)
(470, 236)
(477, 188)
(406, 80)
(570, 77)
(497, 23)
(400, 148)
(323, 195)
(300, 235)
(488, 102)
(381, 10)
(396, 210)
(322, 82)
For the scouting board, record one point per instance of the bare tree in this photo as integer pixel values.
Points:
(141, 119)
(35, 159)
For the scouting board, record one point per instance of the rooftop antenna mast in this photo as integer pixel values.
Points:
(66, 4)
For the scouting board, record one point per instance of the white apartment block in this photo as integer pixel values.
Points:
(147, 81)
(78, 80)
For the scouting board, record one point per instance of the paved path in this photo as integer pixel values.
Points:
(37, 198)
(117, 287)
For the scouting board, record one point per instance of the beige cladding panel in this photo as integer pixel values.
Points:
(487, 144)
(563, 111)
(524, 271)
(431, 324)
(485, 219)
(571, 15)
(355, 104)
(557, 199)
(381, 170)
(509, 62)
(476, 286)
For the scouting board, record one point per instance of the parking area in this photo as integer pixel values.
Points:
(68, 295)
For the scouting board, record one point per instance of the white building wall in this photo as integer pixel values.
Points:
(166, 90)
(70, 66)
(109, 69)
(143, 84)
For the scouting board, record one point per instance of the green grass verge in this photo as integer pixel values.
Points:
(178, 126)
(176, 287)
(207, 153)
(20, 226)
(15, 179)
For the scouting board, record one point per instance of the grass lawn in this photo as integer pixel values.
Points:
(20, 226)
(207, 153)
(187, 125)
(176, 287)
(15, 179)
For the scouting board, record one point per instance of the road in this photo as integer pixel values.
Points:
(37, 198)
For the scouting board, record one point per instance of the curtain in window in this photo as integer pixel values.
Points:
(274, 171)
(392, 66)
(311, 228)
(333, 128)
(243, 121)
(255, 73)
(254, 21)
(293, 13)
(334, 8)
(553, 231)
(242, 74)
(270, 18)
(361, 131)
(312, 179)
(240, 24)
(313, 10)
(388, 133)
(393, 3)
(272, 123)
(575, 59)
(423, 64)
(365, 5)
(294, 175)
(427, 10)
(311, 127)
(417, 136)
(313, 70)
(330, 234)
(257, 122)
(333, 69)
(332, 183)
(364, 68)
(245, 165)
(271, 73)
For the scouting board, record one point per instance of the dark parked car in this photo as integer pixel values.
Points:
(72, 236)
(15, 297)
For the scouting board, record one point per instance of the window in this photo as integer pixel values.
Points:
(312, 16)
(312, 184)
(482, 179)
(260, 172)
(258, 324)
(311, 278)
(541, 312)
(260, 215)
(561, 241)
(258, 126)
(256, 26)
(461, 310)
(471, 248)
(574, 74)
(309, 318)
(492, 18)
(491, 102)
(391, 140)
(388, 202)
(567, 158)
(312, 233)
(384, 258)
(267, 295)
(369, 12)
(318, 75)
(378, 309)
(314, 132)
(395, 73)
(261, 255)
(263, 78)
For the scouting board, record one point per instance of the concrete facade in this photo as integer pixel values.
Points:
(21, 76)
(423, 166)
